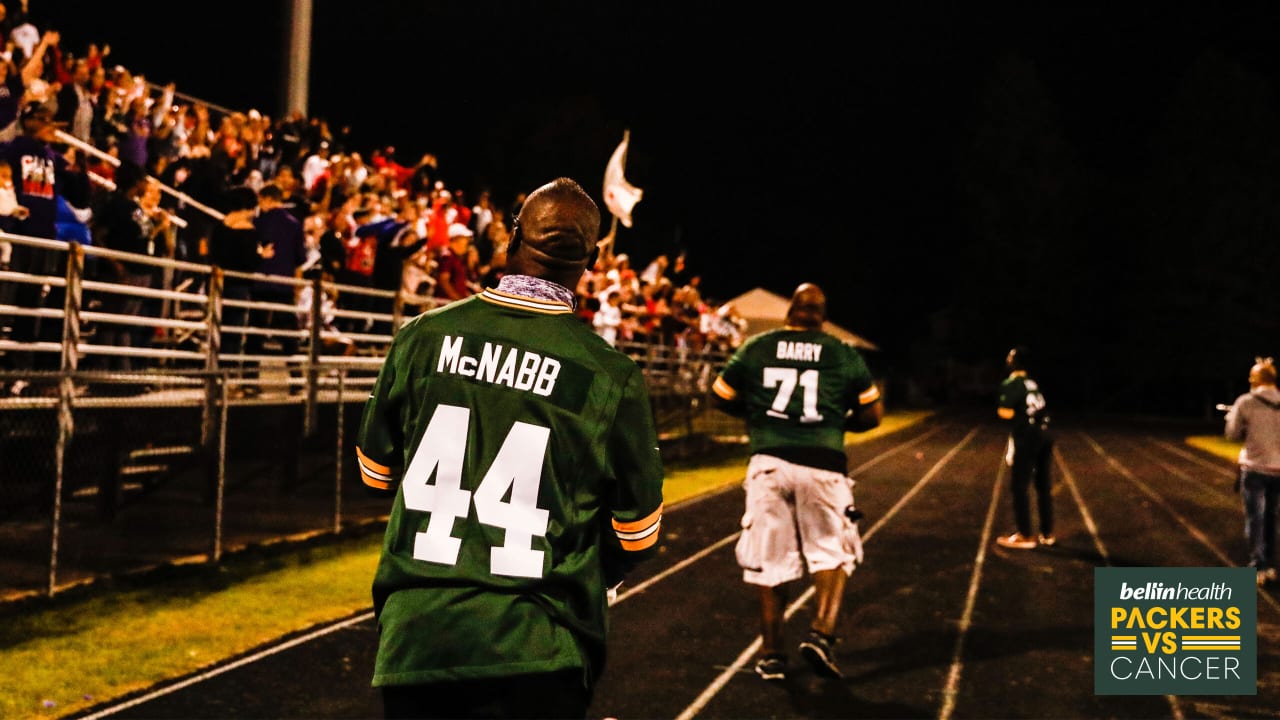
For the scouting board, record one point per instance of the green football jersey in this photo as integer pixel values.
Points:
(524, 456)
(797, 386)
(1022, 395)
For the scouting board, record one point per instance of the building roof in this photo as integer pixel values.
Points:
(764, 310)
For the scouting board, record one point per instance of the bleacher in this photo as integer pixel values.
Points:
(204, 445)
(95, 460)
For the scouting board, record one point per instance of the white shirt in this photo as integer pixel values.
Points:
(606, 321)
(82, 122)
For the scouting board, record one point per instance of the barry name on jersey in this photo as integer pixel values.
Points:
(811, 352)
(509, 366)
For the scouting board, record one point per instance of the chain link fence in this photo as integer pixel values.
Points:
(96, 485)
(109, 474)
(190, 440)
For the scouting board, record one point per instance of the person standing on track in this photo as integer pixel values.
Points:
(523, 454)
(799, 389)
(1029, 452)
(1254, 419)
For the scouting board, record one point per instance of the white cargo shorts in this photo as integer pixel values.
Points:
(795, 520)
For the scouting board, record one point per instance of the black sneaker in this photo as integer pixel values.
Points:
(772, 667)
(817, 649)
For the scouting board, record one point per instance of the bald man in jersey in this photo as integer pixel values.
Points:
(799, 389)
(524, 459)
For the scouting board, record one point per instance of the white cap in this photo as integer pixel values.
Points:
(459, 230)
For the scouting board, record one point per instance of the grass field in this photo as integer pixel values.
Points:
(1216, 445)
(70, 653)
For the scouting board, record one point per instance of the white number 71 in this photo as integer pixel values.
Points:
(786, 379)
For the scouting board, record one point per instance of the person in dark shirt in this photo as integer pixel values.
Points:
(333, 245)
(292, 197)
(37, 178)
(233, 246)
(1028, 453)
(36, 170)
(134, 223)
(284, 250)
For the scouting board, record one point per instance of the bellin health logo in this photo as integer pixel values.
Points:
(1175, 631)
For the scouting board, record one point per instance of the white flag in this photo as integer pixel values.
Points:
(620, 196)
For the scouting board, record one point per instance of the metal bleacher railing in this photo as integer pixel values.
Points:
(208, 431)
(187, 321)
(105, 470)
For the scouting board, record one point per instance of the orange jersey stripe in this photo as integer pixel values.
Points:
(724, 389)
(375, 475)
(639, 534)
(638, 525)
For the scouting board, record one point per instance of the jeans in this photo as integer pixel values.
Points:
(1260, 495)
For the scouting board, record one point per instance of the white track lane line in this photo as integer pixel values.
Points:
(1267, 597)
(723, 679)
(1191, 530)
(1089, 524)
(1223, 495)
(194, 679)
(321, 632)
(952, 687)
(1217, 469)
(1175, 707)
(641, 587)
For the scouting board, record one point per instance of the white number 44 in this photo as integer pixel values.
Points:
(517, 467)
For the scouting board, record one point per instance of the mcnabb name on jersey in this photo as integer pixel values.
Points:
(491, 362)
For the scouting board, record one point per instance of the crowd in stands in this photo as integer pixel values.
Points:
(296, 199)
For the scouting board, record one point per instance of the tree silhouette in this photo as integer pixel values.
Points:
(1019, 187)
(1210, 217)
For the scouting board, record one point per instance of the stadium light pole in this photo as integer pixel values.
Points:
(299, 60)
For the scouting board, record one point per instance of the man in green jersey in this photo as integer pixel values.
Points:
(524, 459)
(1029, 452)
(799, 389)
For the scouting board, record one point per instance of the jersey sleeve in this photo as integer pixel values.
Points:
(1013, 396)
(731, 379)
(1236, 422)
(380, 442)
(635, 501)
(863, 384)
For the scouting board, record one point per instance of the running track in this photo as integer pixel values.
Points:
(937, 623)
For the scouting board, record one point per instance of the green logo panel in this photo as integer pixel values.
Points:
(1175, 631)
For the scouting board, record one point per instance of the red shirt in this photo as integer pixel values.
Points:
(453, 266)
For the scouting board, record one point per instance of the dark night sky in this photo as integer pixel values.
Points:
(899, 154)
